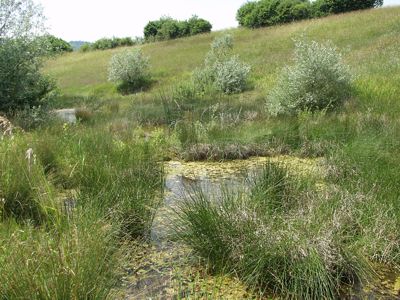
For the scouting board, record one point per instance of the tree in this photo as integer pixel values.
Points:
(57, 45)
(167, 28)
(341, 6)
(271, 12)
(21, 55)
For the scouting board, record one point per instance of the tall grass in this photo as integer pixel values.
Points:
(79, 260)
(284, 237)
(25, 193)
(54, 246)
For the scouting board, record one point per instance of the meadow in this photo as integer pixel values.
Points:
(75, 214)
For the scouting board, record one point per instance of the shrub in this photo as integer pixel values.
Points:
(245, 13)
(57, 45)
(21, 56)
(318, 80)
(130, 69)
(222, 71)
(341, 6)
(270, 12)
(167, 28)
(197, 25)
(231, 75)
(107, 43)
(85, 47)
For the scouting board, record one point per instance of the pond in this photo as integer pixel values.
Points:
(156, 276)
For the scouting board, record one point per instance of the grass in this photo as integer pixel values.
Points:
(71, 216)
(285, 238)
(102, 177)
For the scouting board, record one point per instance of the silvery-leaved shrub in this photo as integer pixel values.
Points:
(317, 80)
(130, 69)
(231, 75)
(222, 71)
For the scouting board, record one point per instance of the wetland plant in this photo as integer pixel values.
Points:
(282, 238)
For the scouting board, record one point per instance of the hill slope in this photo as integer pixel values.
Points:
(362, 35)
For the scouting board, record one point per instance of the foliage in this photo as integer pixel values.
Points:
(130, 69)
(198, 25)
(231, 75)
(21, 52)
(167, 28)
(222, 70)
(85, 47)
(107, 43)
(57, 45)
(317, 80)
(20, 19)
(341, 6)
(271, 12)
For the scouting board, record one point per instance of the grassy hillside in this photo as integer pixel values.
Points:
(295, 233)
(361, 35)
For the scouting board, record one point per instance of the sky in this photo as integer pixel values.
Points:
(89, 20)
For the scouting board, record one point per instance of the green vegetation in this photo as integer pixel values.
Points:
(57, 45)
(167, 28)
(317, 80)
(21, 56)
(282, 237)
(106, 43)
(71, 209)
(263, 13)
(87, 193)
(222, 71)
(130, 69)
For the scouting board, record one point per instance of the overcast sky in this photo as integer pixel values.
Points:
(90, 20)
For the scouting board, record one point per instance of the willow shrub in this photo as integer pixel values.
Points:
(222, 71)
(318, 79)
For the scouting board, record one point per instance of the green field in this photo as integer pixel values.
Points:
(296, 235)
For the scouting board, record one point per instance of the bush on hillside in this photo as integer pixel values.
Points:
(198, 25)
(318, 80)
(85, 47)
(167, 28)
(106, 43)
(341, 6)
(231, 75)
(222, 70)
(271, 12)
(130, 69)
(57, 45)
